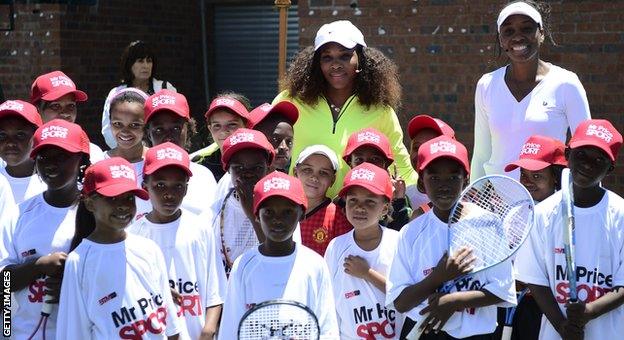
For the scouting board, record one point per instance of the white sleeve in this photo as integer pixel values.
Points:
(482, 149)
(215, 276)
(576, 104)
(173, 322)
(618, 273)
(8, 252)
(234, 306)
(72, 320)
(326, 307)
(330, 258)
(106, 127)
(530, 262)
(500, 282)
(399, 276)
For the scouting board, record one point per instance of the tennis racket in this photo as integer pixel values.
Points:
(509, 315)
(235, 239)
(567, 193)
(493, 217)
(46, 310)
(279, 319)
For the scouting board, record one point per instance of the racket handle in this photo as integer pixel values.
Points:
(46, 308)
(415, 333)
(506, 333)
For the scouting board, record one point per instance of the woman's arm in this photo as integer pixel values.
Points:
(482, 149)
(575, 101)
(390, 126)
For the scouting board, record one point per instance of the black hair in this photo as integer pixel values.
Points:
(556, 170)
(126, 97)
(543, 8)
(191, 126)
(136, 50)
(85, 224)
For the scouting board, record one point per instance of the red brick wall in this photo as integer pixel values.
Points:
(442, 47)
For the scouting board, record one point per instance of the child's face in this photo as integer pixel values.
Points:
(167, 127)
(248, 166)
(588, 165)
(368, 154)
(419, 139)
(222, 124)
(57, 168)
(166, 187)
(127, 124)
(63, 108)
(540, 183)
(112, 212)
(317, 175)
(15, 140)
(278, 217)
(280, 135)
(443, 181)
(364, 209)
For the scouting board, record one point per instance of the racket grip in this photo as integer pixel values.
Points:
(46, 308)
(415, 333)
(506, 333)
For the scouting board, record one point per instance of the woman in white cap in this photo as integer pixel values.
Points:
(528, 96)
(341, 86)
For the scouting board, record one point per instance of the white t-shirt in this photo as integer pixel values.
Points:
(502, 124)
(113, 291)
(8, 206)
(39, 230)
(416, 197)
(422, 243)
(106, 127)
(599, 234)
(361, 307)
(24, 188)
(301, 276)
(194, 266)
(95, 153)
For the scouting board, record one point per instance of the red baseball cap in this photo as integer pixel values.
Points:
(21, 109)
(245, 139)
(167, 100)
(285, 108)
(166, 154)
(369, 177)
(443, 146)
(112, 177)
(229, 104)
(421, 122)
(539, 152)
(279, 184)
(52, 86)
(368, 136)
(599, 133)
(67, 136)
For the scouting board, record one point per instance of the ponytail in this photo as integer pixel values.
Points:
(85, 224)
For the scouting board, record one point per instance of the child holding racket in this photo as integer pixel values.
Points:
(599, 234)
(195, 271)
(35, 245)
(18, 122)
(114, 283)
(372, 146)
(359, 260)
(421, 265)
(279, 268)
(323, 220)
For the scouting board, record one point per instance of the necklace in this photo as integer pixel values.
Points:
(334, 108)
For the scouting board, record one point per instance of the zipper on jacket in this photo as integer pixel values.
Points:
(342, 109)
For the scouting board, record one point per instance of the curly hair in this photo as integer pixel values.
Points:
(377, 83)
(544, 10)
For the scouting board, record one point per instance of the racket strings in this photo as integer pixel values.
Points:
(279, 321)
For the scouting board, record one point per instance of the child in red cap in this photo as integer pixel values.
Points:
(372, 146)
(279, 268)
(226, 113)
(422, 265)
(55, 95)
(115, 284)
(168, 119)
(18, 122)
(193, 264)
(316, 169)
(541, 161)
(599, 234)
(358, 260)
(36, 243)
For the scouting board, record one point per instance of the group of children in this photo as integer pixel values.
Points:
(141, 242)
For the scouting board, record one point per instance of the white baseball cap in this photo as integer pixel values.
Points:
(342, 32)
(519, 8)
(318, 149)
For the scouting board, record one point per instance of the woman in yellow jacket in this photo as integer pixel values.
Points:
(341, 86)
